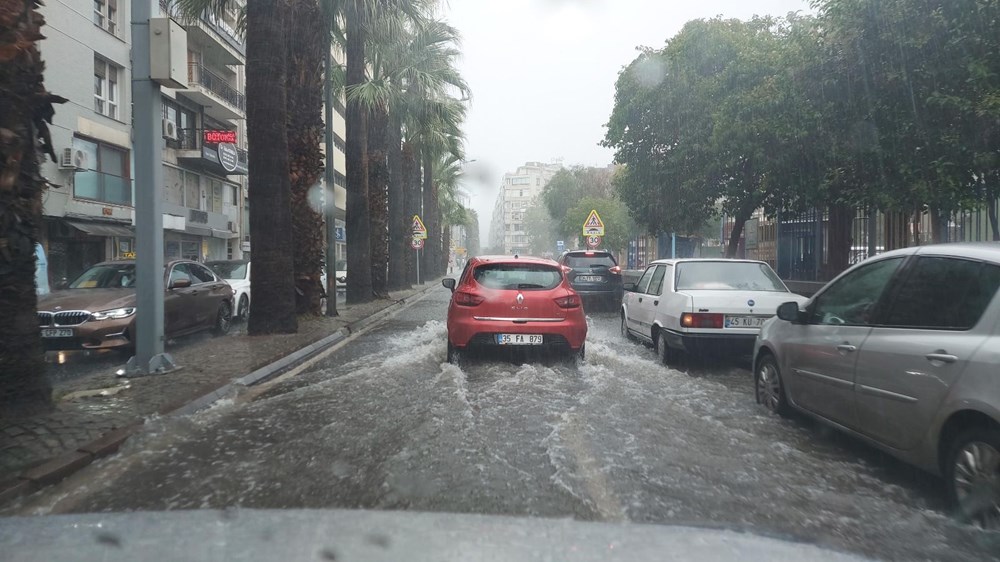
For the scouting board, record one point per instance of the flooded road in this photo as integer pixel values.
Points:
(385, 423)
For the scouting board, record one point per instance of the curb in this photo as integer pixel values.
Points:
(61, 466)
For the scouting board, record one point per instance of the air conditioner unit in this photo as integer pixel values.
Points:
(78, 159)
(170, 129)
(232, 226)
(66, 158)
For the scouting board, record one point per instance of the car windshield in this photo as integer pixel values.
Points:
(727, 276)
(106, 276)
(578, 261)
(229, 269)
(643, 263)
(517, 276)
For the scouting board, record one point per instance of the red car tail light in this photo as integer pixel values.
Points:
(468, 299)
(700, 320)
(569, 301)
(616, 270)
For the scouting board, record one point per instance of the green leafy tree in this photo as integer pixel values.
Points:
(541, 229)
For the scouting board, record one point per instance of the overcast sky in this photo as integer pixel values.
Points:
(543, 73)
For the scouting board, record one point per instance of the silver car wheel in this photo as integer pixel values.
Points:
(768, 386)
(977, 483)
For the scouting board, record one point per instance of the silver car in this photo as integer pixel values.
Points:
(903, 351)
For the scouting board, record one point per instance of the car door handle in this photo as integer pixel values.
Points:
(942, 357)
(846, 348)
(640, 299)
(656, 303)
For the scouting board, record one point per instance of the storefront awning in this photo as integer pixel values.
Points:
(224, 234)
(102, 229)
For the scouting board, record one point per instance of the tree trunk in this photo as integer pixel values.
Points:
(840, 236)
(432, 220)
(306, 38)
(411, 199)
(734, 237)
(399, 226)
(378, 192)
(26, 106)
(896, 223)
(991, 210)
(445, 249)
(359, 287)
(273, 282)
(939, 226)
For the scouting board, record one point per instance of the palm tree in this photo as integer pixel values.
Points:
(307, 38)
(269, 185)
(409, 56)
(448, 175)
(27, 110)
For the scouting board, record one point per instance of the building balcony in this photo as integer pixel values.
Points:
(220, 99)
(215, 37)
(194, 152)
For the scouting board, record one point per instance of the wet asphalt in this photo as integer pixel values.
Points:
(385, 423)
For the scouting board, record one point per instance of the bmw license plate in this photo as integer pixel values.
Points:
(519, 339)
(589, 278)
(745, 321)
(57, 332)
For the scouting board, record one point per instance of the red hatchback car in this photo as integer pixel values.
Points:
(511, 301)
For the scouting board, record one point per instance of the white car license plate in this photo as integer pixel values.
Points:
(745, 321)
(57, 332)
(589, 278)
(519, 339)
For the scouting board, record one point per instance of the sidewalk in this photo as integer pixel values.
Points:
(97, 411)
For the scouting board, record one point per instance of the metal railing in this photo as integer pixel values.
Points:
(199, 74)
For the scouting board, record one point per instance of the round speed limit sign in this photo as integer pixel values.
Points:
(417, 243)
(593, 242)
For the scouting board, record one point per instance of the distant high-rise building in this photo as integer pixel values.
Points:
(517, 191)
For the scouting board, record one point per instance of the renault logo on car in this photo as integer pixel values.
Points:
(520, 298)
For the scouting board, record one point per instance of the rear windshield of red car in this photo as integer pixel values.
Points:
(585, 260)
(517, 276)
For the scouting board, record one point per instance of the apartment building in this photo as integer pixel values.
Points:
(517, 192)
(89, 213)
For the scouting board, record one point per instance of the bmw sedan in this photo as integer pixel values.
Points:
(97, 310)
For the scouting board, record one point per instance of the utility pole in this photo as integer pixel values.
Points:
(330, 204)
(147, 104)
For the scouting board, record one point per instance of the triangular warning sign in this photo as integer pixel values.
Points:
(418, 228)
(593, 220)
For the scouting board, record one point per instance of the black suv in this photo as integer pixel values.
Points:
(595, 275)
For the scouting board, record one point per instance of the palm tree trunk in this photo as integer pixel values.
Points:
(411, 200)
(273, 283)
(378, 191)
(432, 220)
(26, 106)
(446, 250)
(399, 227)
(306, 38)
(359, 289)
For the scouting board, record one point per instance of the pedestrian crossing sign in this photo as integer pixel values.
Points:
(419, 230)
(593, 226)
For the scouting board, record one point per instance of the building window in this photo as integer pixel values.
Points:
(538, 182)
(102, 172)
(185, 122)
(106, 15)
(234, 194)
(192, 190)
(106, 95)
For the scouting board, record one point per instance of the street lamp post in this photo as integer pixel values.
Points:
(149, 357)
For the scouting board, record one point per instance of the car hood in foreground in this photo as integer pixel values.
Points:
(355, 535)
(93, 300)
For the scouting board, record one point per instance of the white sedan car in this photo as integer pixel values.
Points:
(237, 274)
(702, 306)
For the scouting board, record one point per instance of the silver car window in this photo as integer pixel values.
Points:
(851, 299)
(944, 293)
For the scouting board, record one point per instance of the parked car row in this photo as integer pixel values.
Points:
(901, 351)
